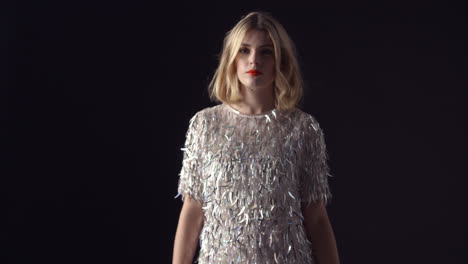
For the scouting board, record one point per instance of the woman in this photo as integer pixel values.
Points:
(254, 175)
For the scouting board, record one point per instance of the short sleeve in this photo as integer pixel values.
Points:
(314, 171)
(190, 175)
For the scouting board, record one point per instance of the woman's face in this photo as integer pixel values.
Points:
(255, 61)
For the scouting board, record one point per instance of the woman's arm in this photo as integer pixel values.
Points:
(320, 233)
(188, 231)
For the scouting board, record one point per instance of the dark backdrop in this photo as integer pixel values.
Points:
(96, 97)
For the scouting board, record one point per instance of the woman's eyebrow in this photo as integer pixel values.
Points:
(265, 45)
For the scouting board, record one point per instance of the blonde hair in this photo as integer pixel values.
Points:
(288, 84)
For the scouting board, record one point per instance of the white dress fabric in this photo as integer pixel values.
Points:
(252, 173)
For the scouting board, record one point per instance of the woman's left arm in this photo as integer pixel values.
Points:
(320, 233)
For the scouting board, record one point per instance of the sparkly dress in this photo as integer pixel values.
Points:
(251, 173)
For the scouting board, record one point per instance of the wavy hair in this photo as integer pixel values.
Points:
(288, 83)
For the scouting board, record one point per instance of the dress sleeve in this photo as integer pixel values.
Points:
(314, 171)
(190, 176)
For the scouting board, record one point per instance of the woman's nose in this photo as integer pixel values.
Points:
(254, 58)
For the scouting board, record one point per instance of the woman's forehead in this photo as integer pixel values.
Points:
(256, 37)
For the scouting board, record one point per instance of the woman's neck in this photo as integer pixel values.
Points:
(255, 102)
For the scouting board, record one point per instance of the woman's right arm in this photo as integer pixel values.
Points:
(188, 231)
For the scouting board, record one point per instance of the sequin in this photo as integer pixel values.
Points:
(252, 173)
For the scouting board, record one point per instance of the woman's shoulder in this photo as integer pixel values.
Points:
(205, 114)
(207, 111)
(306, 119)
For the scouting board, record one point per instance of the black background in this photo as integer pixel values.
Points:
(96, 97)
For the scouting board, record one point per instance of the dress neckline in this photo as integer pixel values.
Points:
(230, 108)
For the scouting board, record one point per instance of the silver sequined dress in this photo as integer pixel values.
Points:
(251, 172)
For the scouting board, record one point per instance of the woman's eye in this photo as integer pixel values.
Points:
(263, 52)
(244, 50)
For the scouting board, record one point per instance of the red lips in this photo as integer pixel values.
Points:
(254, 72)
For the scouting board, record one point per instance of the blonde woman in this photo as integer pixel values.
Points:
(254, 178)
